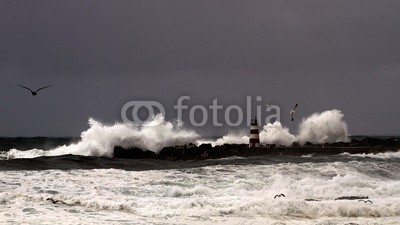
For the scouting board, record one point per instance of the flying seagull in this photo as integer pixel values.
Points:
(33, 92)
(293, 111)
(365, 201)
(278, 196)
(56, 201)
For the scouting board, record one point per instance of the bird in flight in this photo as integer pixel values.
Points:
(278, 196)
(33, 92)
(56, 201)
(365, 201)
(293, 111)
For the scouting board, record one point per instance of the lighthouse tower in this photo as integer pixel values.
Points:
(254, 135)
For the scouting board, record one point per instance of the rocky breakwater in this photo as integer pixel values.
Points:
(207, 151)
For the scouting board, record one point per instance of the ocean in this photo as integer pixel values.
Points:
(39, 188)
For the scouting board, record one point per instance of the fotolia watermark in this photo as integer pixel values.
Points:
(234, 115)
(136, 105)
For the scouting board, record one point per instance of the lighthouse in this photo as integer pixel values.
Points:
(254, 135)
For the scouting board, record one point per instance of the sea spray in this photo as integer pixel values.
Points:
(381, 155)
(220, 193)
(275, 133)
(100, 139)
(232, 138)
(325, 127)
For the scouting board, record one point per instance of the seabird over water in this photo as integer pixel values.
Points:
(33, 92)
(56, 201)
(278, 196)
(365, 201)
(293, 111)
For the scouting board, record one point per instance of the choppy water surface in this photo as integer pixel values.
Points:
(228, 191)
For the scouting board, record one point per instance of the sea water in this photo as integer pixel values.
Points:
(234, 190)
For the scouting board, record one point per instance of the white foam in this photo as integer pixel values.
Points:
(231, 138)
(100, 139)
(325, 127)
(227, 194)
(276, 134)
(184, 192)
(14, 153)
(382, 155)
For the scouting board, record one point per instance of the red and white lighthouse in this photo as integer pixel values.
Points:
(254, 134)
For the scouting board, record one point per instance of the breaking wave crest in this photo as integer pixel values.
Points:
(230, 194)
(325, 127)
(275, 133)
(237, 138)
(382, 155)
(100, 139)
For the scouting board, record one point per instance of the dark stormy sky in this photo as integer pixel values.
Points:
(100, 54)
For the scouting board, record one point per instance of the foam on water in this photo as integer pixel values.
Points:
(275, 133)
(325, 127)
(100, 139)
(227, 194)
(382, 155)
(232, 138)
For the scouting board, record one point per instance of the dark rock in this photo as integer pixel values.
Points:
(391, 142)
(371, 142)
(354, 143)
(170, 153)
(206, 151)
(132, 153)
(195, 153)
(339, 144)
(295, 144)
(191, 145)
(308, 144)
(205, 146)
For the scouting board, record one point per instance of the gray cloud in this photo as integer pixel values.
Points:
(100, 54)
